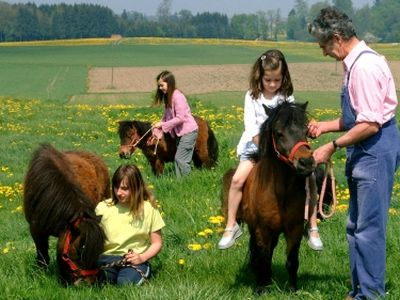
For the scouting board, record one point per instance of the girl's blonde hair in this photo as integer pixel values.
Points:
(169, 78)
(270, 60)
(136, 185)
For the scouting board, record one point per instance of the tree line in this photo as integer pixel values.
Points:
(25, 22)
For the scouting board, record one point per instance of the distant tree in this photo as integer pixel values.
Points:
(245, 26)
(316, 8)
(279, 25)
(211, 25)
(7, 17)
(345, 6)
(164, 10)
(362, 22)
(186, 28)
(386, 21)
(26, 23)
(296, 28)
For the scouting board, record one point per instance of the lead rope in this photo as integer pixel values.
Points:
(138, 141)
(312, 192)
(123, 263)
(328, 170)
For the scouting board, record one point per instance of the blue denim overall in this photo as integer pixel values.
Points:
(370, 169)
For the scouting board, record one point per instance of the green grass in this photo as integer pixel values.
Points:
(187, 206)
(36, 113)
(60, 72)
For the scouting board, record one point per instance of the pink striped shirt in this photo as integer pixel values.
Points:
(178, 119)
(371, 86)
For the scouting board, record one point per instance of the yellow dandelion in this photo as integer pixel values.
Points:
(208, 231)
(393, 212)
(19, 209)
(342, 207)
(216, 219)
(181, 262)
(6, 250)
(195, 247)
(207, 246)
(202, 234)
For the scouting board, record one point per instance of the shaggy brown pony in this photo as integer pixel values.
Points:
(131, 132)
(274, 192)
(61, 190)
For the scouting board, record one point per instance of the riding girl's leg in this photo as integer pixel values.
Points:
(314, 240)
(232, 230)
(184, 153)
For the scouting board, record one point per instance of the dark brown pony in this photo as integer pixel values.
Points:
(274, 192)
(131, 132)
(61, 190)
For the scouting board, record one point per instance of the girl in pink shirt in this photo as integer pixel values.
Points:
(177, 120)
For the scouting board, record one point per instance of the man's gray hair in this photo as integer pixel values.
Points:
(329, 22)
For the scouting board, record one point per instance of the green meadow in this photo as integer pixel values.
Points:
(37, 82)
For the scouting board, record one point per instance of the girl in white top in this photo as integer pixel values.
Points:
(270, 83)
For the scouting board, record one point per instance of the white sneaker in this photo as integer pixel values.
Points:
(227, 241)
(314, 243)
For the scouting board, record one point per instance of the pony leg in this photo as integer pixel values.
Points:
(261, 251)
(292, 260)
(157, 166)
(42, 250)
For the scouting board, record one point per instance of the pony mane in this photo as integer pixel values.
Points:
(50, 181)
(126, 126)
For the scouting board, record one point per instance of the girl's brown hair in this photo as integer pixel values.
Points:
(169, 78)
(135, 184)
(270, 60)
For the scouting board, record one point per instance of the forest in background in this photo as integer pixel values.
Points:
(26, 22)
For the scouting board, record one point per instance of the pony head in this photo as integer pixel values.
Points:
(131, 134)
(285, 134)
(78, 250)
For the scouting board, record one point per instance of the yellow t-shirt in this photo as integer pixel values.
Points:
(125, 232)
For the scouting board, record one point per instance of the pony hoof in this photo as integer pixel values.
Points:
(43, 264)
(259, 290)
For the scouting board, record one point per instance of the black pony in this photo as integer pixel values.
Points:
(60, 193)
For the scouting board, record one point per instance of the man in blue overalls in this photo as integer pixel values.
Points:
(371, 136)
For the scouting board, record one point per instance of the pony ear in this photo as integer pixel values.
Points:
(267, 110)
(304, 105)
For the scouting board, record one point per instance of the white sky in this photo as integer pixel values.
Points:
(229, 7)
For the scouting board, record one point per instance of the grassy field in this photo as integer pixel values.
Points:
(190, 266)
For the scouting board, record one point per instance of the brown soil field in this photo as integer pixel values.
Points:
(200, 79)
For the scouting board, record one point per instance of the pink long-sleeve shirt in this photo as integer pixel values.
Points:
(371, 86)
(178, 119)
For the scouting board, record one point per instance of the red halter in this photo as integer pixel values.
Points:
(78, 272)
(296, 147)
